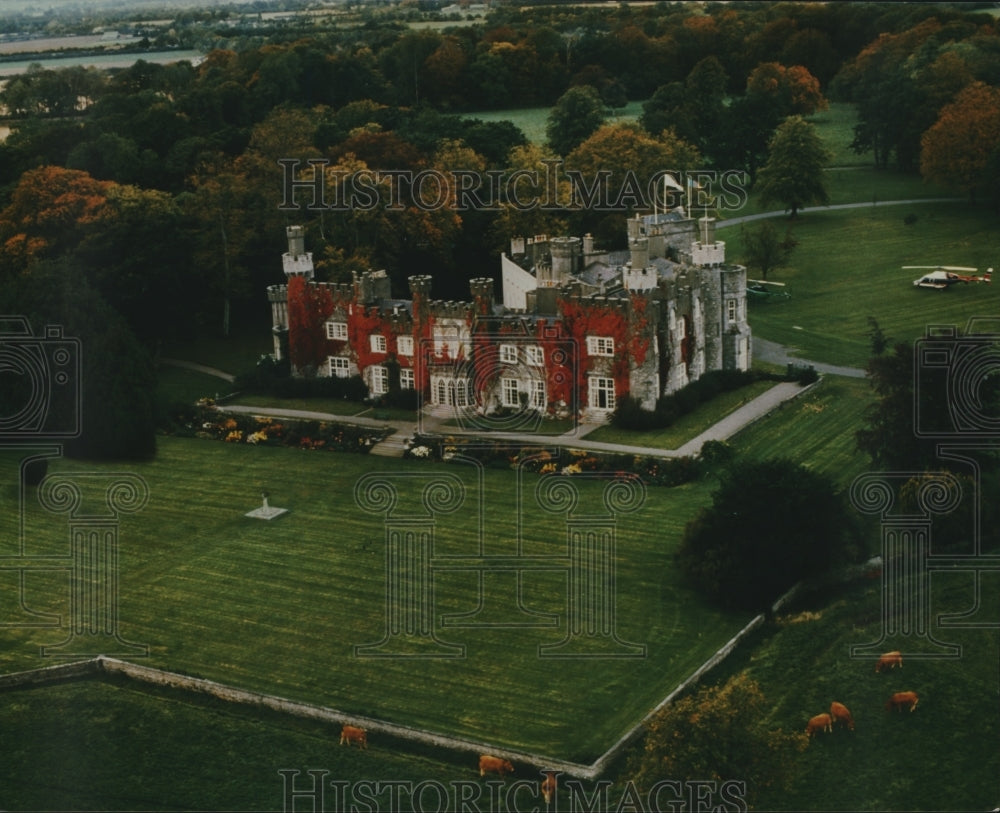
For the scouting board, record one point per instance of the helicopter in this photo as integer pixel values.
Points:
(942, 276)
(757, 290)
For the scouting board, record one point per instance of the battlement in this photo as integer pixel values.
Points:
(708, 253)
(450, 309)
(420, 283)
(298, 265)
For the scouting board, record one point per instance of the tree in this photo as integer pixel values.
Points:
(117, 375)
(715, 734)
(577, 114)
(745, 129)
(888, 436)
(794, 90)
(793, 174)
(619, 162)
(956, 151)
(764, 249)
(49, 212)
(770, 525)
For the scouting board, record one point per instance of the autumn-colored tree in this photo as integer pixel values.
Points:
(717, 734)
(793, 174)
(957, 150)
(793, 90)
(618, 164)
(445, 69)
(50, 211)
(529, 180)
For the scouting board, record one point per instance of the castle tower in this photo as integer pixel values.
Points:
(565, 254)
(297, 261)
(482, 295)
(707, 251)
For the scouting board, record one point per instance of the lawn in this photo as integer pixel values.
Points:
(816, 429)
(178, 385)
(532, 120)
(847, 267)
(279, 607)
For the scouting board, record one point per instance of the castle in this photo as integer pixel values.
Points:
(576, 331)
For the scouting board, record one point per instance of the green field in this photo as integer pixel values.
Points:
(816, 429)
(99, 745)
(888, 762)
(109, 745)
(847, 267)
(532, 120)
(278, 607)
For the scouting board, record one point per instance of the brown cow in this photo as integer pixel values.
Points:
(840, 714)
(350, 733)
(890, 660)
(901, 699)
(821, 722)
(549, 785)
(489, 764)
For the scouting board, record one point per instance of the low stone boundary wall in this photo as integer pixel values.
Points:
(172, 680)
(50, 674)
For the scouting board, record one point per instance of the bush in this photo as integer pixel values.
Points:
(771, 524)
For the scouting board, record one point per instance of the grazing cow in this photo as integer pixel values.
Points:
(840, 714)
(489, 764)
(351, 734)
(548, 785)
(890, 660)
(821, 722)
(901, 699)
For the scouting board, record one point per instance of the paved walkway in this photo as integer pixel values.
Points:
(721, 224)
(723, 430)
(199, 368)
(765, 350)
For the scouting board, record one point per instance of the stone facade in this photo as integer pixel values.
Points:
(578, 328)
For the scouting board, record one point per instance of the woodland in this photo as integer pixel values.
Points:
(154, 191)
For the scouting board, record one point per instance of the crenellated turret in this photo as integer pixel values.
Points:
(482, 294)
(297, 262)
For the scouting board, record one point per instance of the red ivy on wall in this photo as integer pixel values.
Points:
(557, 348)
(582, 320)
(309, 306)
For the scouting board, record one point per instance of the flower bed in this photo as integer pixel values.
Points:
(207, 422)
(563, 461)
